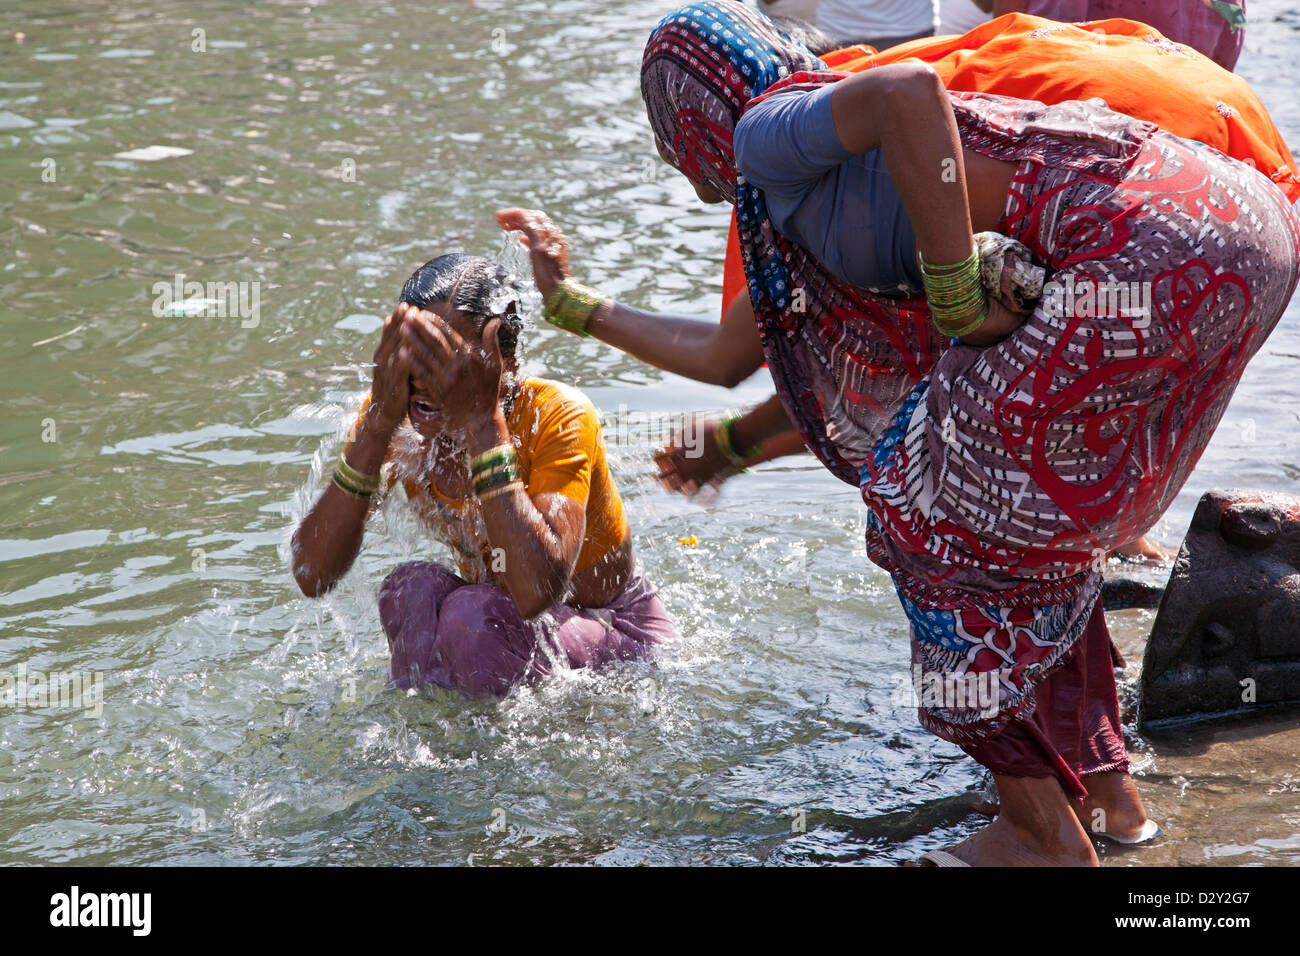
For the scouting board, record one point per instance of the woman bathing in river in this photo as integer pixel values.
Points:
(510, 473)
(1003, 444)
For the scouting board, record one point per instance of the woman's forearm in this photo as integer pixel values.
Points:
(760, 424)
(327, 540)
(535, 565)
(723, 354)
(539, 549)
(780, 446)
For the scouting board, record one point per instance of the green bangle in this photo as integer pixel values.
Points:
(943, 318)
(484, 465)
(348, 488)
(730, 425)
(965, 329)
(953, 292)
(494, 468)
(571, 306)
(496, 476)
(493, 456)
(354, 477)
(727, 443)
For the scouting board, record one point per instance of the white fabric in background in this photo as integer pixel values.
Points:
(863, 19)
(960, 16)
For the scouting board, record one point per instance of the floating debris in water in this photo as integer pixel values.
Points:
(55, 338)
(188, 307)
(689, 542)
(151, 154)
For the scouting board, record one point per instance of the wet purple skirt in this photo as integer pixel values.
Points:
(471, 637)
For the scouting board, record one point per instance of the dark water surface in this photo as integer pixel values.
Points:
(334, 147)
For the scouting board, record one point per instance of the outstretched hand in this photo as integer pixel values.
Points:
(548, 249)
(687, 467)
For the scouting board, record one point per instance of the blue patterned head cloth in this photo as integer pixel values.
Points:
(701, 66)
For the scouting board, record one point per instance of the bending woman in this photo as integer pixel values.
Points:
(510, 473)
(1000, 467)
(1001, 451)
(1126, 64)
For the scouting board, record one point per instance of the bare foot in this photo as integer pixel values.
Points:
(1002, 844)
(1036, 826)
(1112, 805)
(1146, 549)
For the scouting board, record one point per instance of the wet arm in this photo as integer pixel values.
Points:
(687, 466)
(327, 540)
(703, 351)
(540, 536)
(763, 424)
(904, 110)
(724, 354)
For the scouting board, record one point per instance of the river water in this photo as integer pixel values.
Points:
(153, 465)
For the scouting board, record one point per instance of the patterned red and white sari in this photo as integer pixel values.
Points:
(1002, 479)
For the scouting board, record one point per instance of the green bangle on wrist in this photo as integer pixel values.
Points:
(726, 440)
(501, 475)
(352, 478)
(955, 292)
(348, 488)
(493, 456)
(980, 316)
(494, 468)
(571, 306)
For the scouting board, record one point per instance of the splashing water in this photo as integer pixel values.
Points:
(245, 724)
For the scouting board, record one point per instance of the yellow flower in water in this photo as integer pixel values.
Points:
(690, 542)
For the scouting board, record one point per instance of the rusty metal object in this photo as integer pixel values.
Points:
(1227, 636)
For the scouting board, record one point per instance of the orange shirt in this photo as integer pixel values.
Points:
(733, 270)
(560, 450)
(1128, 64)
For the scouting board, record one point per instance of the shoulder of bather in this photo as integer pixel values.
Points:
(760, 112)
(552, 404)
(766, 124)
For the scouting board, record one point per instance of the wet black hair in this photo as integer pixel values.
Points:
(812, 39)
(476, 286)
